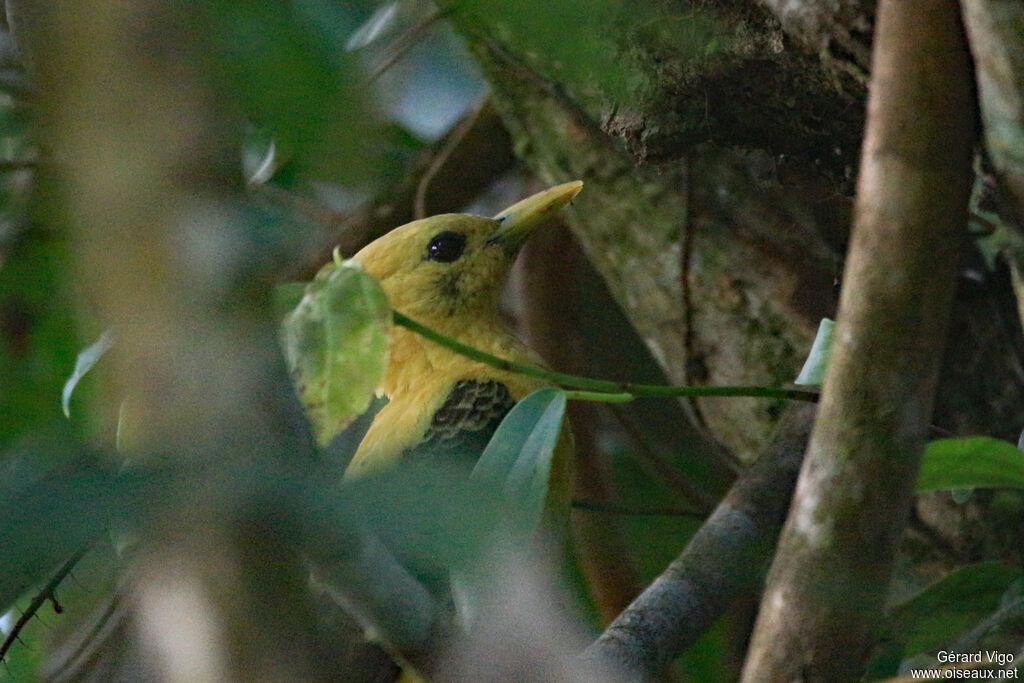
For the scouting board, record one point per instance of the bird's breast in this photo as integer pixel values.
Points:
(441, 401)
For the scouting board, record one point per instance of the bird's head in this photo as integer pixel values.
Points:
(452, 266)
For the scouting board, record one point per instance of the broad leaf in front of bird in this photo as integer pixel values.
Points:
(515, 469)
(517, 460)
(973, 462)
(336, 344)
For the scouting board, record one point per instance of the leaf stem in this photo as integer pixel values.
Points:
(612, 508)
(591, 386)
(46, 593)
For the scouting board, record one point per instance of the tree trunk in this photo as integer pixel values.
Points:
(717, 202)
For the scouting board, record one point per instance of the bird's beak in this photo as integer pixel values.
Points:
(518, 221)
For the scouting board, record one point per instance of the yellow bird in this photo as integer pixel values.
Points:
(446, 272)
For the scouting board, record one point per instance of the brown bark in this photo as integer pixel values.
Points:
(827, 585)
(839, 32)
(724, 262)
(994, 28)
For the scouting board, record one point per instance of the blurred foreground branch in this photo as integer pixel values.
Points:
(175, 260)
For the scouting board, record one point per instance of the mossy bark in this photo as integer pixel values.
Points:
(718, 199)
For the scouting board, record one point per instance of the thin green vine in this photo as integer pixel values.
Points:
(598, 389)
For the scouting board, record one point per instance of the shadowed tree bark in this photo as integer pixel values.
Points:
(720, 228)
(829, 580)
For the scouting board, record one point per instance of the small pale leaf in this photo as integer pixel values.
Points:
(813, 371)
(87, 358)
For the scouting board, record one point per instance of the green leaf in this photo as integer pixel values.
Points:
(287, 296)
(38, 341)
(1011, 609)
(282, 62)
(87, 358)
(54, 497)
(942, 614)
(336, 345)
(428, 513)
(813, 371)
(973, 462)
(517, 461)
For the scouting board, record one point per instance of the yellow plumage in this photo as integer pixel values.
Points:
(446, 272)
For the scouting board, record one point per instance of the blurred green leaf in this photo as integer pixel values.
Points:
(287, 296)
(87, 358)
(571, 36)
(336, 455)
(435, 518)
(813, 371)
(428, 514)
(973, 462)
(516, 465)
(517, 461)
(939, 615)
(38, 342)
(290, 73)
(943, 611)
(1010, 609)
(54, 497)
(336, 344)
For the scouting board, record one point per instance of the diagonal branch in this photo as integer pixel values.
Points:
(47, 592)
(725, 559)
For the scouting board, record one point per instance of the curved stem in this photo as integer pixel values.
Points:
(599, 385)
(46, 593)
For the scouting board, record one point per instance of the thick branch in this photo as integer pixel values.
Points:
(725, 559)
(994, 28)
(828, 582)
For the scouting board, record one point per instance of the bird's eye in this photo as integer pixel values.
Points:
(446, 246)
